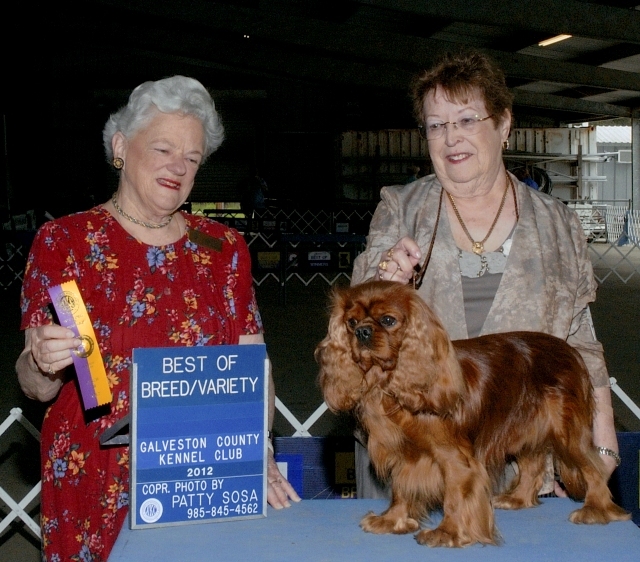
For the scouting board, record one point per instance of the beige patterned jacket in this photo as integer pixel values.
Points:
(548, 280)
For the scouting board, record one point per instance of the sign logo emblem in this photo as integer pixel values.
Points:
(151, 510)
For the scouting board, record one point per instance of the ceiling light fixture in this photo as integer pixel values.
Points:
(553, 40)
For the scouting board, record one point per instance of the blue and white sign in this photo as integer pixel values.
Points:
(198, 434)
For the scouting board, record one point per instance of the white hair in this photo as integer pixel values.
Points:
(177, 94)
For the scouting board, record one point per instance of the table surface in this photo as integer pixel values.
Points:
(327, 530)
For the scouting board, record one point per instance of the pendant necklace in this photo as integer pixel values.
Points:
(478, 246)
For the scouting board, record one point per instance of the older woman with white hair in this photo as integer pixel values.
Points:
(150, 276)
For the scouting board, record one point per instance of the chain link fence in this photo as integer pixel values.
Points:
(304, 245)
(612, 230)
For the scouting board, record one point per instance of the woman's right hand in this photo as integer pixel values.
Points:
(41, 364)
(397, 263)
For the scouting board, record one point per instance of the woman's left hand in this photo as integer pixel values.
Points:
(279, 491)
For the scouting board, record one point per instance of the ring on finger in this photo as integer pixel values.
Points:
(50, 370)
(383, 265)
(390, 253)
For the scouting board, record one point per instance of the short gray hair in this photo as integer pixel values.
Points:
(177, 94)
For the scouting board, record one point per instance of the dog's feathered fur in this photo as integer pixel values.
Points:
(443, 417)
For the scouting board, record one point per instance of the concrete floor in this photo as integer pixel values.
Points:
(292, 332)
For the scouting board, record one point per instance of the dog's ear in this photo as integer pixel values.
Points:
(340, 379)
(428, 377)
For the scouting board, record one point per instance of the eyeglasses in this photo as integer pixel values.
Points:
(467, 126)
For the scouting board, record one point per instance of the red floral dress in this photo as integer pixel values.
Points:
(181, 294)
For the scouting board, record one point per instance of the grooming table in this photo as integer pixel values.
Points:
(327, 530)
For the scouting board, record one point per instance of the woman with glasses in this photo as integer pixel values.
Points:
(501, 257)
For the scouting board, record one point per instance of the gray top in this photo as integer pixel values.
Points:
(481, 276)
(478, 294)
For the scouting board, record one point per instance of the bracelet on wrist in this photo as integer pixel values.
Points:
(610, 453)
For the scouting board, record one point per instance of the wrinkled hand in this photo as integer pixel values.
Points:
(279, 491)
(46, 354)
(398, 262)
(51, 347)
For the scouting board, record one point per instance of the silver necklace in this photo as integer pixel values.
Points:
(137, 221)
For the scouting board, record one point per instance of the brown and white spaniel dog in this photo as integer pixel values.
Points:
(443, 417)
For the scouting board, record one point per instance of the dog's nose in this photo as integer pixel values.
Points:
(364, 334)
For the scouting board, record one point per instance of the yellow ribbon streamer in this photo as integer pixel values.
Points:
(73, 314)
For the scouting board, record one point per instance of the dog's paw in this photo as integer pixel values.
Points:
(382, 524)
(506, 501)
(442, 537)
(590, 515)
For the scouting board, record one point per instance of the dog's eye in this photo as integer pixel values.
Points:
(352, 322)
(388, 321)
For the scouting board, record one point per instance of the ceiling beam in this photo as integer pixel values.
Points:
(559, 103)
(550, 16)
(273, 61)
(346, 40)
